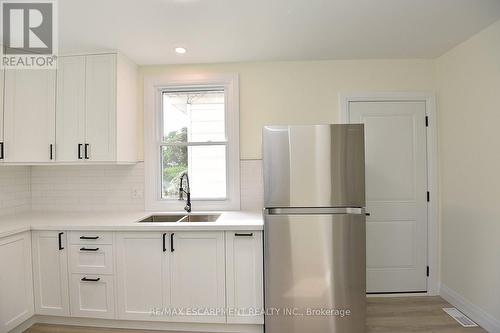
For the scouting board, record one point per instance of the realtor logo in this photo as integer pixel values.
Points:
(29, 37)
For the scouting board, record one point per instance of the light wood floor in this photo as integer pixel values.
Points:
(389, 315)
(412, 314)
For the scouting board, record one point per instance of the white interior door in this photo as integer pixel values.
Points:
(396, 194)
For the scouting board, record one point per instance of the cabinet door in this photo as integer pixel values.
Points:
(244, 277)
(29, 115)
(142, 274)
(100, 105)
(50, 268)
(197, 275)
(16, 287)
(70, 108)
(92, 296)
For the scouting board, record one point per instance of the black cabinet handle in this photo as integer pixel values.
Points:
(51, 151)
(237, 234)
(60, 240)
(86, 249)
(164, 246)
(172, 242)
(90, 280)
(367, 214)
(80, 151)
(88, 237)
(87, 148)
(1, 150)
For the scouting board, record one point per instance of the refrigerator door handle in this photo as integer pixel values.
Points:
(315, 210)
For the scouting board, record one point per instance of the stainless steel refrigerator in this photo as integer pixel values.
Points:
(314, 234)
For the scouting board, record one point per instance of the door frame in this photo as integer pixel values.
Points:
(432, 168)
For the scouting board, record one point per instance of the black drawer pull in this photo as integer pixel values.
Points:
(164, 245)
(87, 148)
(88, 237)
(85, 249)
(237, 234)
(172, 242)
(90, 280)
(1, 150)
(60, 240)
(80, 151)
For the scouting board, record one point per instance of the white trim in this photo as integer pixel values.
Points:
(432, 166)
(481, 317)
(139, 325)
(152, 88)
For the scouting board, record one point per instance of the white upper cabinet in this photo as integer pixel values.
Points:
(100, 103)
(29, 116)
(70, 108)
(197, 269)
(244, 277)
(16, 287)
(50, 271)
(97, 109)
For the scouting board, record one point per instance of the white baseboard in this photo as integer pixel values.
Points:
(481, 317)
(144, 325)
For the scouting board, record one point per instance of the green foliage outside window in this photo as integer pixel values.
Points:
(174, 162)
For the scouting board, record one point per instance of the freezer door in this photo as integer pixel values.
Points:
(314, 166)
(315, 273)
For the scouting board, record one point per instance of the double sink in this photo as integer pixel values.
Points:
(180, 218)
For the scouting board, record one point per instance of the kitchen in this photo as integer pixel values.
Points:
(133, 176)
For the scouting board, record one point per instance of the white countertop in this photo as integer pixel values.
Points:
(123, 221)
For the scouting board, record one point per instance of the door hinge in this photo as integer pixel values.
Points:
(426, 121)
(428, 196)
(427, 270)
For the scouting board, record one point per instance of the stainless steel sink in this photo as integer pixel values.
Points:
(162, 218)
(181, 218)
(200, 218)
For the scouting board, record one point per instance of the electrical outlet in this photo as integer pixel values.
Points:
(137, 193)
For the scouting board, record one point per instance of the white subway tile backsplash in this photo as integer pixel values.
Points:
(87, 187)
(97, 187)
(15, 193)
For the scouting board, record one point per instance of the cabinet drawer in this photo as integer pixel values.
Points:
(92, 296)
(91, 259)
(91, 237)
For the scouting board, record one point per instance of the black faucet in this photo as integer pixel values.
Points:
(187, 208)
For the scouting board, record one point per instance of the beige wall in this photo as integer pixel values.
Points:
(468, 81)
(304, 92)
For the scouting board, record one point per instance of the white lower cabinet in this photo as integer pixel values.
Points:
(244, 277)
(181, 272)
(92, 296)
(197, 276)
(142, 274)
(183, 277)
(50, 268)
(16, 281)
(91, 268)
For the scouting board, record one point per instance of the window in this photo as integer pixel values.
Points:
(192, 127)
(194, 141)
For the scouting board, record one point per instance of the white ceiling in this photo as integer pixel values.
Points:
(256, 30)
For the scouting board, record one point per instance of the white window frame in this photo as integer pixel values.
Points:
(153, 89)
